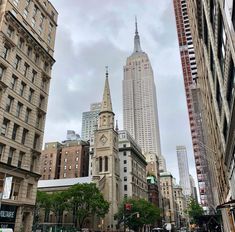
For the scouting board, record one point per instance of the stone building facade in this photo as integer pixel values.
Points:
(168, 201)
(132, 167)
(27, 38)
(212, 26)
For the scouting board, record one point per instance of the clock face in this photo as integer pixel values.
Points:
(103, 139)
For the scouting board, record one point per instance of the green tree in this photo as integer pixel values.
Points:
(86, 200)
(42, 203)
(194, 210)
(147, 213)
(58, 203)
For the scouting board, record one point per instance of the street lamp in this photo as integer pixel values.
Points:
(4, 179)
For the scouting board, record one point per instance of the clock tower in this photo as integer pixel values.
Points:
(105, 161)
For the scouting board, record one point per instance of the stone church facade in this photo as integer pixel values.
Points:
(105, 160)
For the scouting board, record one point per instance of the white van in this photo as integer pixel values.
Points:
(6, 230)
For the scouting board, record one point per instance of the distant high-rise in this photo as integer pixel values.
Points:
(90, 120)
(71, 135)
(139, 100)
(183, 170)
(193, 187)
(28, 29)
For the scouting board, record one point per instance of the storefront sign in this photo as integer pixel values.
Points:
(7, 216)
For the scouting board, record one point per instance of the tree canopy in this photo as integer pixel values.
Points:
(142, 212)
(83, 200)
(194, 210)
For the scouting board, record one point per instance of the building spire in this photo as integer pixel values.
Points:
(106, 105)
(137, 47)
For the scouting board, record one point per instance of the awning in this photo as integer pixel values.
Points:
(228, 204)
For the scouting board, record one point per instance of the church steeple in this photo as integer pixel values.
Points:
(137, 47)
(106, 115)
(106, 103)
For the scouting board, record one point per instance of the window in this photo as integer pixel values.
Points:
(41, 101)
(125, 169)
(15, 188)
(10, 31)
(35, 10)
(31, 92)
(231, 82)
(1, 72)
(20, 160)
(100, 164)
(27, 115)
(32, 163)
(16, 2)
(125, 178)
(39, 120)
(4, 126)
(11, 155)
(124, 161)
(29, 191)
(33, 22)
(50, 28)
(14, 132)
(9, 103)
(25, 14)
(46, 66)
(106, 160)
(44, 84)
(36, 58)
(22, 88)
(5, 51)
(19, 109)
(20, 43)
(2, 148)
(34, 75)
(49, 39)
(24, 136)
(29, 51)
(76, 166)
(17, 62)
(41, 20)
(36, 141)
(125, 187)
(26, 69)
(13, 82)
(65, 160)
(65, 167)
(124, 153)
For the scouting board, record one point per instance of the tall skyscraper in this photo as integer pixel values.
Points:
(90, 120)
(26, 46)
(183, 170)
(193, 97)
(139, 100)
(212, 26)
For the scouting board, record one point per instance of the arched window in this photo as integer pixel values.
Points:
(106, 165)
(100, 164)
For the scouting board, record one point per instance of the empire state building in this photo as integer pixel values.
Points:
(139, 100)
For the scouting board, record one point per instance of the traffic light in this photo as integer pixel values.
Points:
(128, 207)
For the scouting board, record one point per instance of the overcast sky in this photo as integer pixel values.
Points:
(92, 34)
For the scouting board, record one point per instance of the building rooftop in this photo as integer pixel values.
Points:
(63, 182)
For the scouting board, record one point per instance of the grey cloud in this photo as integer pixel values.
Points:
(92, 34)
